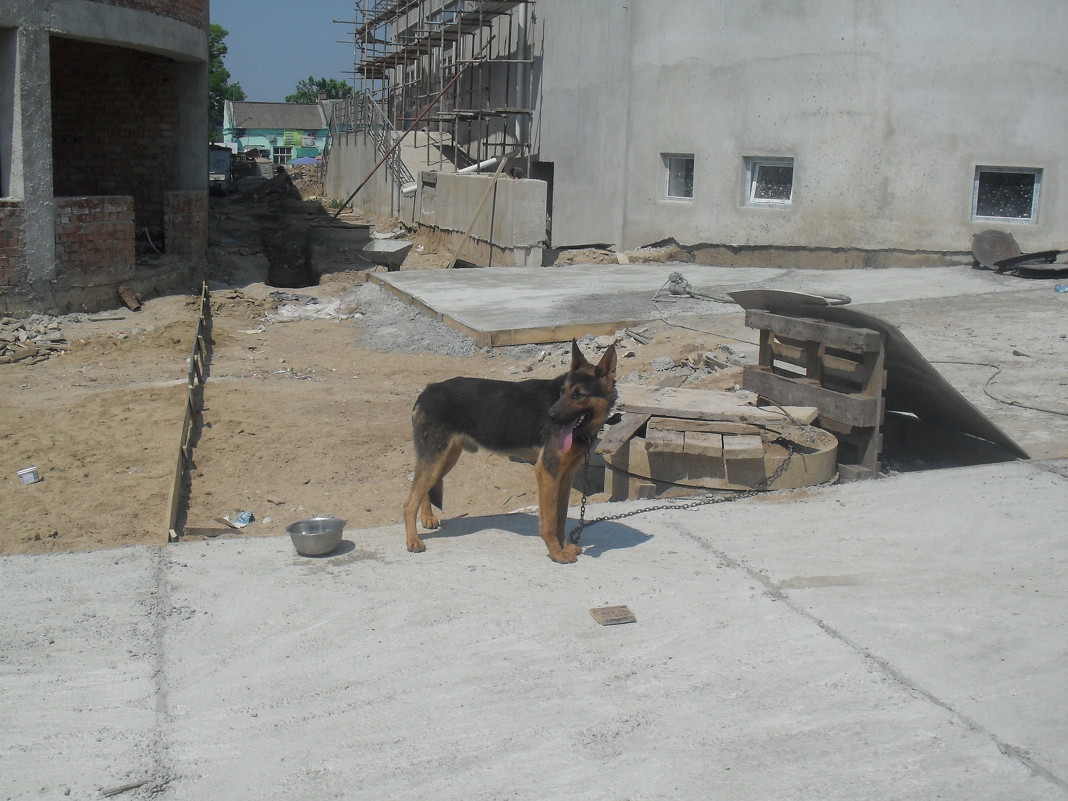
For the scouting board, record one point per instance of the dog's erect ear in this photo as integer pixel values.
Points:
(577, 359)
(606, 368)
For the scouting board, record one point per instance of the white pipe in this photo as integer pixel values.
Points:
(409, 188)
(485, 165)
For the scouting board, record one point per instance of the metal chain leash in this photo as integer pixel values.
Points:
(576, 533)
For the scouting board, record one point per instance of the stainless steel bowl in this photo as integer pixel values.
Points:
(316, 535)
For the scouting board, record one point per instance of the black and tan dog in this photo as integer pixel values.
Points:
(553, 419)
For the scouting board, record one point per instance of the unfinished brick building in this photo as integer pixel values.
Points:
(103, 150)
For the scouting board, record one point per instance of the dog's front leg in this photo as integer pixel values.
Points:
(553, 494)
(567, 479)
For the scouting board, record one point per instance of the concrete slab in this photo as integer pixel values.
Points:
(899, 639)
(504, 306)
(81, 689)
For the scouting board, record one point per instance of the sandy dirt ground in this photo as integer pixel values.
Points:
(301, 418)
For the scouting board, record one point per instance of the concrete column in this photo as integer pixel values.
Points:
(29, 175)
(193, 125)
(8, 84)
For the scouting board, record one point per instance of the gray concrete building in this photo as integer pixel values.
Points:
(103, 150)
(837, 133)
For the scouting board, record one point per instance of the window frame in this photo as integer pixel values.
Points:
(753, 165)
(282, 150)
(1036, 189)
(668, 159)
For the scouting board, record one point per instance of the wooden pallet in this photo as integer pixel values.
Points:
(838, 369)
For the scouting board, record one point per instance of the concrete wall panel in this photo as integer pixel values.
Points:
(886, 108)
(352, 157)
(583, 106)
(508, 216)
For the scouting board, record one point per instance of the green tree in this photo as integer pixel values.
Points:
(307, 91)
(219, 87)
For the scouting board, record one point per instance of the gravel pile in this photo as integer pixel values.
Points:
(391, 324)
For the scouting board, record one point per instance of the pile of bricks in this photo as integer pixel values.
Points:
(30, 341)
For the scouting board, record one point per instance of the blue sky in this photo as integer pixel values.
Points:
(273, 44)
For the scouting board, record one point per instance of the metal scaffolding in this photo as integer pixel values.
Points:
(407, 51)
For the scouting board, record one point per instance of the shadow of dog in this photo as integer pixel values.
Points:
(595, 540)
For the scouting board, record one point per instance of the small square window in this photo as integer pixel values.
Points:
(769, 181)
(1008, 194)
(679, 168)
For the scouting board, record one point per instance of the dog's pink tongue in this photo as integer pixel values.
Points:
(566, 436)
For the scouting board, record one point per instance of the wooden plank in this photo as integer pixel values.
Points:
(764, 354)
(874, 367)
(177, 480)
(704, 443)
(617, 435)
(857, 410)
(854, 472)
(743, 446)
(788, 352)
(838, 427)
(664, 440)
(616, 478)
(197, 374)
(661, 468)
(481, 337)
(696, 404)
(845, 337)
(651, 471)
(814, 354)
(175, 497)
(845, 370)
(543, 334)
(206, 532)
(710, 426)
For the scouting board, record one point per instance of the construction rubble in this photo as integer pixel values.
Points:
(31, 340)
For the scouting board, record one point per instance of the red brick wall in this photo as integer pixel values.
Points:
(195, 12)
(186, 220)
(94, 238)
(114, 125)
(12, 260)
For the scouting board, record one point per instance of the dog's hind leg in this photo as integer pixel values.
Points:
(436, 494)
(416, 496)
(427, 479)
